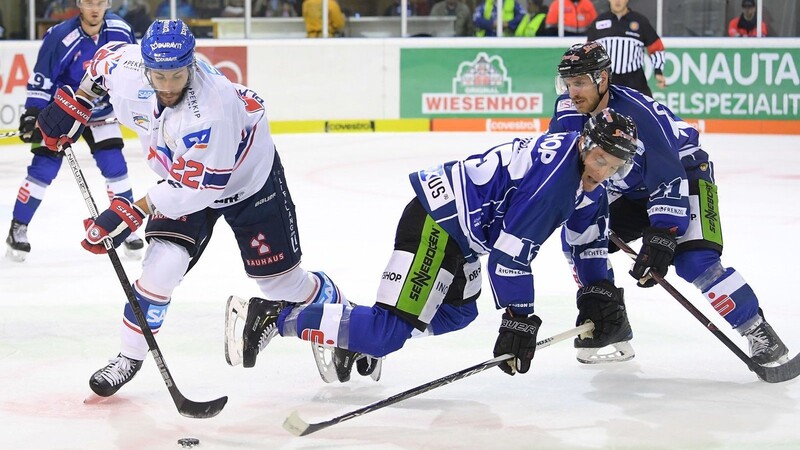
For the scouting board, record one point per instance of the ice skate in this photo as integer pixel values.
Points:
(17, 245)
(134, 246)
(259, 320)
(365, 365)
(616, 348)
(120, 370)
(766, 348)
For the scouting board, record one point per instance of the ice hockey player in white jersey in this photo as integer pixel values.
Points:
(209, 140)
(503, 203)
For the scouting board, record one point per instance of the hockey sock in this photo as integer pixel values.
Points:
(154, 308)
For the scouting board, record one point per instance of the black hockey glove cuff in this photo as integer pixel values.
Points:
(658, 250)
(517, 337)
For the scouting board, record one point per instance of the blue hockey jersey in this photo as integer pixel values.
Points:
(507, 201)
(671, 154)
(64, 55)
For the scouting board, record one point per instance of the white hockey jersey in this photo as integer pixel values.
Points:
(214, 148)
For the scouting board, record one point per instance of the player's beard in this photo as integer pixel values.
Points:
(170, 99)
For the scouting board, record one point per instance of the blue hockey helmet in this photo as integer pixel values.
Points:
(167, 45)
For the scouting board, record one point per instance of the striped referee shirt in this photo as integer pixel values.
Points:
(625, 40)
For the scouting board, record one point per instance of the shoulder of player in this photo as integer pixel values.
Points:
(65, 31)
(116, 24)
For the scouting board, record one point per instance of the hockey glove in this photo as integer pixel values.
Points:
(27, 126)
(658, 250)
(117, 222)
(518, 337)
(64, 120)
(603, 304)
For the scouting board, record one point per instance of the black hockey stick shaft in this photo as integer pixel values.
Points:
(185, 406)
(776, 374)
(297, 426)
(92, 123)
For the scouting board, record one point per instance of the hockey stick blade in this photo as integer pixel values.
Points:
(299, 427)
(774, 374)
(186, 407)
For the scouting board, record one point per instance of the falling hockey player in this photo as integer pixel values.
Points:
(65, 51)
(503, 203)
(209, 140)
(669, 199)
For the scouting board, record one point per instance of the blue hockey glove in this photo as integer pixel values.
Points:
(518, 337)
(657, 253)
(64, 120)
(27, 126)
(117, 222)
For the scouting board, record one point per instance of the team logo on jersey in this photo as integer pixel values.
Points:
(564, 105)
(603, 24)
(198, 139)
(634, 26)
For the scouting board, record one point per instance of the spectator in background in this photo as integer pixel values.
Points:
(578, 16)
(626, 34)
(285, 9)
(137, 14)
(233, 8)
(183, 9)
(485, 18)
(745, 24)
(395, 9)
(531, 24)
(61, 10)
(463, 23)
(2, 29)
(312, 14)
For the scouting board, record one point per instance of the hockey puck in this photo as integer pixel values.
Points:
(188, 442)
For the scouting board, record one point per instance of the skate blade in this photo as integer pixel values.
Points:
(15, 255)
(620, 352)
(323, 356)
(235, 314)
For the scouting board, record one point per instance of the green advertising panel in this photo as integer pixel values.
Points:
(464, 82)
(703, 83)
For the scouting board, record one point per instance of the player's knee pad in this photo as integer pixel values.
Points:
(728, 293)
(111, 163)
(377, 331)
(690, 264)
(44, 168)
(163, 267)
(452, 318)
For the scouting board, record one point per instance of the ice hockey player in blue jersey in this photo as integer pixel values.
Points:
(669, 199)
(65, 51)
(503, 203)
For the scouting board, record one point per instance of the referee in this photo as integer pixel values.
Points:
(625, 34)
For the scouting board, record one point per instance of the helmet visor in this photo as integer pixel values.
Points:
(171, 81)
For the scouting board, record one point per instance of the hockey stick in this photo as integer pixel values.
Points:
(95, 123)
(777, 374)
(297, 426)
(185, 406)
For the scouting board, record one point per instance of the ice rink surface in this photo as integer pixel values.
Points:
(60, 316)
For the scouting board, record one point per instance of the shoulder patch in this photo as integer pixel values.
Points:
(71, 38)
(116, 23)
(603, 24)
(564, 105)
